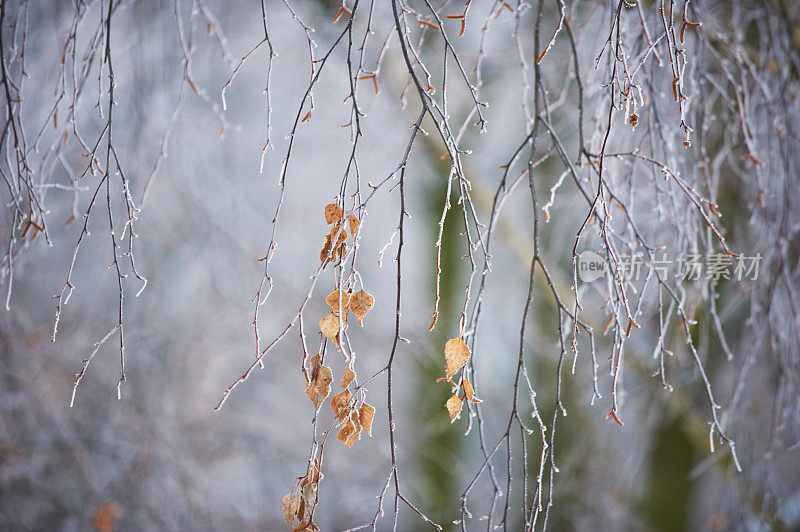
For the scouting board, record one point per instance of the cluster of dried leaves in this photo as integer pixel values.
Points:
(456, 356)
(351, 411)
(299, 503)
(353, 419)
(340, 302)
(334, 246)
(344, 408)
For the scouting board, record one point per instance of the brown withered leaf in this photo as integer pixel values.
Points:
(314, 394)
(341, 236)
(365, 415)
(315, 363)
(360, 303)
(347, 430)
(291, 503)
(338, 234)
(309, 492)
(333, 245)
(320, 386)
(333, 300)
(453, 406)
(353, 221)
(339, 402)
(456, 354)
(302, 527)
(349, 375)
(333, 213)
(469, 393)
(327, 244)
(308, 498)
(329, 325)
(354, 436)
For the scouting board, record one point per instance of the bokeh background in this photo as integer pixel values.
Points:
(161, 458)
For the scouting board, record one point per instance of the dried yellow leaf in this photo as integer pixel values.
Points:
(327, 245)
(333, 300)
(315, 394)
(315, 363)
(354, 437)
(453, 406)
(291, 503)
(341, 236)
(333, 245)
(319, 390)
(349, 375)
(360, 303)
(365, 415)
(468, 391)
(456, 354)
(309, 499)
(321, 377)
(337, 234)
(339, 402)
(324, 376)
(333, 213)
(329, 325)
(347, 430)
(353, 221)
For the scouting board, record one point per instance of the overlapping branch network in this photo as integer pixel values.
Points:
(643, 171)
(623, 87)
